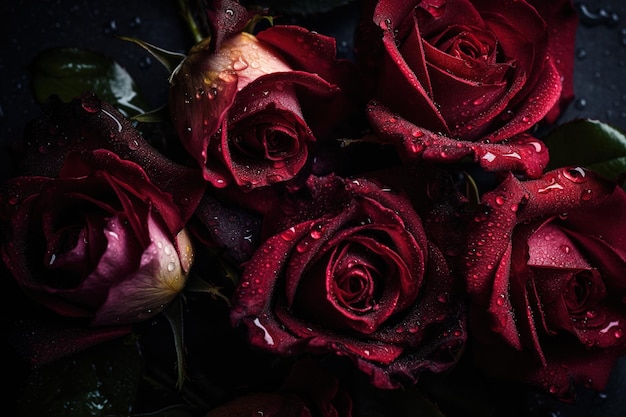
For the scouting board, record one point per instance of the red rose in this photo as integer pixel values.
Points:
(546, 272)
(87, 123)
(348, 269)
(100, 245)
(459, 70)
(241, 105)
(307, 391)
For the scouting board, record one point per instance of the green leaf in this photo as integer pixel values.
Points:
(100, 381)
(170, 60)
(157, 115)
(174, 316)
(69, 72)
(588, 143)
(197, 284)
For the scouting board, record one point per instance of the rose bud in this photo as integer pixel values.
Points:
(546, 274)
(346, 268)
(247, 109)
(100, 245)
(470, 71)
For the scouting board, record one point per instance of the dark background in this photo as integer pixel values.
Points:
(28, 27)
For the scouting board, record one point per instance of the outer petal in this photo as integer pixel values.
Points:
(522, 153)
(528, 294)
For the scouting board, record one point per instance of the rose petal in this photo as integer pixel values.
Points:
(523, 153)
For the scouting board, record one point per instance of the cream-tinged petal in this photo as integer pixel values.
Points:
(160, 276)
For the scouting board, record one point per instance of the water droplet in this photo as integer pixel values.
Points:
(302, 246)
(316, 232)
(416, 147)
(618, 333)
(586, 195)
(133, 145)
(581, 53)
(90, 105)
(538, 147)
(245, 284)
(500, 200)
(230, 12)
(266, 335)
(577, 175)
(212, 93)
(480, 100)
(288, 234)
(554, 186)
(144, 62)
(135, 22)
(599, 17)
(171, 266)
(240, 64)
(500, 300)
(565, 248)
(581, 103)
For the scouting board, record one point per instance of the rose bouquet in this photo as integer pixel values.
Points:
(409, 231)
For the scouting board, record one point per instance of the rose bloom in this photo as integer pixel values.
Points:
(347, 269)
(247, 107)
(546, 273)
(469, 70)
(100, 245)
(308, 391)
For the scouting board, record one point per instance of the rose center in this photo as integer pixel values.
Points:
(273, 141)
(582, 292)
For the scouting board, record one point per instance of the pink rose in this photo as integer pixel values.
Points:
(100, 243)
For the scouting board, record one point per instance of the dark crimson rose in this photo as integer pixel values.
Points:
(546, 273)
(100, 245)
(87, 123)
(308, 391)
(247, 107)
(347, 268)
(469, 70)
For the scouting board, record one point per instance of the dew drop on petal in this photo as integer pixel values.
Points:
(302, 246)
(316, 234)
(586, 195)
(288, 234)
(500, 300)
(576, 175)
